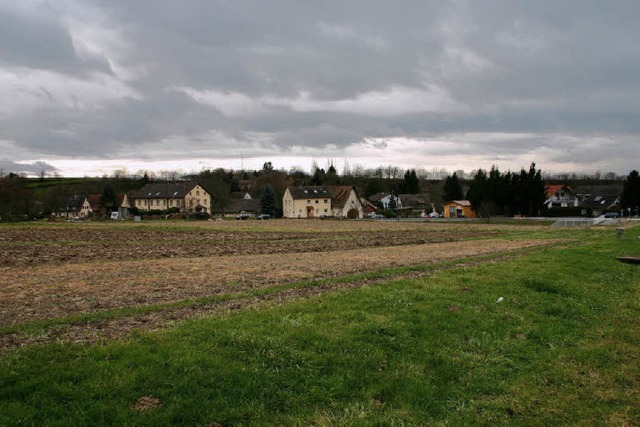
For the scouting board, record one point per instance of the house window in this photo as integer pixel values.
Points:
(197, 192)
(308, 202)
(325, 211)
(325, 201)
(317, 201)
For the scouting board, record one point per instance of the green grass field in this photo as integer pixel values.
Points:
(560, 348)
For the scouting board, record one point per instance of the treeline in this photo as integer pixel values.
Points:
(496, 193)
(490, 192)
(33, 198)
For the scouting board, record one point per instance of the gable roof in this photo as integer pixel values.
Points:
(550, 190)
(74, 203)
(340, 194)
(165, 190)
(94, 201)
(420, 199)
(599, 196)
(599, 190)
(123, 200)
(242, 205)
(309, 192)
(375, 198)
(459, 202)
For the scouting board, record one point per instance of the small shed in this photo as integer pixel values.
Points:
(459, 209)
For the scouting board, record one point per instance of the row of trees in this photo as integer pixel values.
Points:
(491, 192)
(497, 193)
(523, 193)
(508, 194)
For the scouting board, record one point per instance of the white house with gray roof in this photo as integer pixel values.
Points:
(184, 195)
(306, 202)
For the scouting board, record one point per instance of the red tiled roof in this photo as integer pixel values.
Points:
(550, 190)
(94, 201)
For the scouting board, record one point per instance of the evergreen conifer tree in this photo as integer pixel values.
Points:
(268, 201)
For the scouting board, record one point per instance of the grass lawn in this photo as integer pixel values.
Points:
(561, 347)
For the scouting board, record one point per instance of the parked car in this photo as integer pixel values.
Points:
(243, 216)
(610, 215)
(264, 216)
(200, 216)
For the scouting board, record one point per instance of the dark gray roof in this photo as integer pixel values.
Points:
(309, 192)
(598, 197)
(375, 198)
(242, 205)
(165, 190)
(415, 200)
(598, 190)
(74, 203)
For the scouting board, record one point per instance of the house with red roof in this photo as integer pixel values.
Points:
(560, 196)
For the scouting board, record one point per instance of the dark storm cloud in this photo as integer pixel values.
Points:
(37, 39)
(109, 79)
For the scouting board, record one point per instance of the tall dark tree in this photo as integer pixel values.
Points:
(452, 188)
(319, 177)
(268, 201)
(497, 191)
(534, 191)
(108, 198)
(331, 177)
(478, 191)
(631, 192)
(392, 202)
(411, 183)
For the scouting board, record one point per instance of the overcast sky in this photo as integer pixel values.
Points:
(91, 86)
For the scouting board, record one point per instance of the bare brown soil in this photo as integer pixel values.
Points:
(75, 243)
(103, 276)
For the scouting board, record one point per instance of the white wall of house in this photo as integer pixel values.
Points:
(313, 207)
(386, 199)
(85, 209)
(353, 202)
(198, 196)
(562, 199)
(149, 204)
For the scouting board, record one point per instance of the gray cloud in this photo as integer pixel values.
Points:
(35, 168)
(209, 79)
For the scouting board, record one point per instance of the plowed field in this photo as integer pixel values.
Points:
(51, 271)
